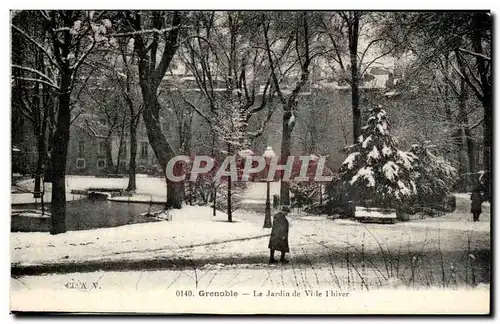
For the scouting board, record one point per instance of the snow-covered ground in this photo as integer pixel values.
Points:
(194, 234)
(190, 226)
(201, 252)
(256, 191)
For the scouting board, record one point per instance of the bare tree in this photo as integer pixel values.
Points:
(150, 30)
(468, 36)
(343, 31)
(127, 81)
(71, 37)
(298, 34)
(235, 87)
(33, 99)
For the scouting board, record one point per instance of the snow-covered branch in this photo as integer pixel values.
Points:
(76, 117)
(34, 71)
(375, 60)
(367, 48)
(469, 82)
(145, 31)
(463, 50)
(476, 124)
(198, 111)
(259, 132)
(39, 81)
(34, 42)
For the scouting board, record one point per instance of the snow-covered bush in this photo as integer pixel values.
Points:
(304, 193)
(307, 193)
(376, 173)
(237, 190)
(434, 177)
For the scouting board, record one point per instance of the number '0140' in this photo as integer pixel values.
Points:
(183, 293)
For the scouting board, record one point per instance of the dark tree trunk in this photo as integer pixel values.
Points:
(481, 22)
(50, 130)
(468, 141)
(487, 135)
(353, 51)
(229, 193)
(150, 77)
(471, 153)
(133, 154)
(214, 189)
(58, 158)
(120, 147)
(462, 164)
(286, 138)
(161, 147)
(109, 153)
(37, 127)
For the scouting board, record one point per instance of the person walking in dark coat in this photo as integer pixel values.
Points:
(279, 235)
(475, 207)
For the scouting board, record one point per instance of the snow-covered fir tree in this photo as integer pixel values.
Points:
(376, 172)
(434, 176)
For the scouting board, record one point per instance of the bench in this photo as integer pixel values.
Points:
(375, 215)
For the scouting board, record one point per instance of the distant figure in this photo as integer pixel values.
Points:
(279, 235)
(477, 200)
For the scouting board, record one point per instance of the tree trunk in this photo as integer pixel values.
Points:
(463, 122)
(471, 154)
(214, 189)
(462, 164)
(59, 156)
(132, 164)
(41, 162)
(150, 77)
(285, 153)
(487, 138)
(353, 51)
(467, 134)
(161, 147)
(109, 153)
(229, 192)
(38, 127)
(481, 22)
(120, 144)
(49, 131)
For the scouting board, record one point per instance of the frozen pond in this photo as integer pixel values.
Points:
(86, 214)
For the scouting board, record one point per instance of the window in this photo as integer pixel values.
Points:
(80, 163)
(102, 147)
(144, 150)
(101, 163)
(81, 148)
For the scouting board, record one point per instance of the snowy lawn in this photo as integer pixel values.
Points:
(195, 235)
(256, 191)
(190, 226)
